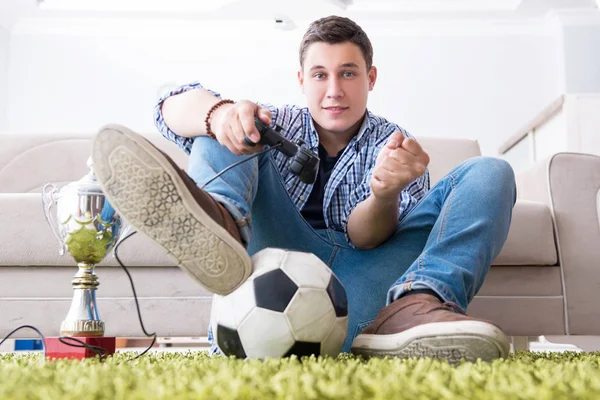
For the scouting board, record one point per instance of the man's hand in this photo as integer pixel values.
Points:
(398, 163)
(231, 123)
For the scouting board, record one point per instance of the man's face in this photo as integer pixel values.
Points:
(336, 83)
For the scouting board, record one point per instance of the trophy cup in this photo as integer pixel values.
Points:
(87, 226)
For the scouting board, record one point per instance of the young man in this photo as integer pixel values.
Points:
(411, 259)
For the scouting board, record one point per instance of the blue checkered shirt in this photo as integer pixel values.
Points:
(349, 181)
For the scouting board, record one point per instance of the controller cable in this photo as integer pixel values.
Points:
(101, 352)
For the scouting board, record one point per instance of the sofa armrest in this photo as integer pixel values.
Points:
(569, 183)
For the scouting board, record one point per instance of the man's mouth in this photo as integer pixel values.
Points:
(335, 110)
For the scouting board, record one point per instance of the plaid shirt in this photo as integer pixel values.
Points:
(349, 181)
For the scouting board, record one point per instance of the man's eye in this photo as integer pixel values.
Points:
(348, 74)
(319, 75)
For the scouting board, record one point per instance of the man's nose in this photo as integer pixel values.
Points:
(334, 88)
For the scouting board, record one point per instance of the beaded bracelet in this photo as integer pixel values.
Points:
(209, 113)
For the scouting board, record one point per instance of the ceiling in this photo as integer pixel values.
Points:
(14, 11)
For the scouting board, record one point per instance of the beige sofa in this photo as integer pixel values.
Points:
(543, 283)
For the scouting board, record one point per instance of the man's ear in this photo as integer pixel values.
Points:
(372, 77)
(301, 80)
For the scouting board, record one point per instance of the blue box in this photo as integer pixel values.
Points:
(24, 344)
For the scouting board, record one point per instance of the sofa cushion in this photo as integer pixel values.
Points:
(530, 237)
(28, 240)
(28, 161)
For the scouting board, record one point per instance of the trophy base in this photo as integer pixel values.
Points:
(56, 349)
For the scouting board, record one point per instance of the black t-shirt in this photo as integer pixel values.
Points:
(313, 209)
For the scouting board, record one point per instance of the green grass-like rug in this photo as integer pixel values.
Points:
(194, 375)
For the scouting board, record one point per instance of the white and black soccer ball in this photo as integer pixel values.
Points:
(292, 304)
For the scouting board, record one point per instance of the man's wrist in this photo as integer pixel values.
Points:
(373, 221)
(384, 201)
(215, 117)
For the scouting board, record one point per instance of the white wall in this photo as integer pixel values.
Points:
(582, 59)
(477, 86)
(4, 51)
(482, 88)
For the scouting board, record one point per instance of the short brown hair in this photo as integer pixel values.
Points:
(333, 30)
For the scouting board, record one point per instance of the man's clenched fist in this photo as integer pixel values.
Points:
(398, 163)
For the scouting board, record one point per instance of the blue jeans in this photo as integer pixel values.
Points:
(446, 243)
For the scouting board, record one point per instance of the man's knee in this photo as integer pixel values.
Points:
(491, 177)
(492, 169)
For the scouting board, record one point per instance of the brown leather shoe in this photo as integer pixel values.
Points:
(154, 195)
(420, 325)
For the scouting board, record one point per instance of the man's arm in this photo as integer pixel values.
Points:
(372, 222)
(184, 113)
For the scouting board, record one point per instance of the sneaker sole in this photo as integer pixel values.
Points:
(146, 190)
(452, 341)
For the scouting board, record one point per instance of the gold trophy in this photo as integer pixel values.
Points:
(87, 226)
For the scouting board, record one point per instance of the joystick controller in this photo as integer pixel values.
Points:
(304, 163)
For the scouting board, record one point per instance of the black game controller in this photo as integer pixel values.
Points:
(304, 163)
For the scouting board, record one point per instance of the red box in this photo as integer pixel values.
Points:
(57, 349)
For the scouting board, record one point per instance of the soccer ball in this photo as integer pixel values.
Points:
(291, 304)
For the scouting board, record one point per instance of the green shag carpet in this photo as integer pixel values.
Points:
(194, 375)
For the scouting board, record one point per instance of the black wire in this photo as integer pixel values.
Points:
(30, 327)
(137, 304)
(101, 352)
(135, 298)
(263, 151)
